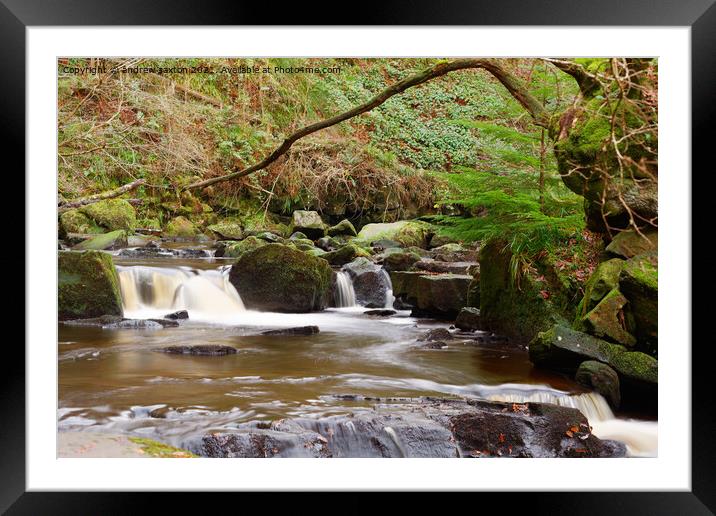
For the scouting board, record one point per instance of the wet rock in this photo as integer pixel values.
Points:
(106, 241)
(301, 330)
(141, 240)
(344, 227)
(309, 223)
(427, 428)
(601, 378)
(436, 334)
(160, 252)
(468, 319)
(405, 286)
(88, 285)
(179, 314)
(110, 322)
(370, 282)
(199, 350)
(279, 278)
(629, 244)
(380, 313)
(328, 243)
(165, 323)
(434, 344)
(442, 295)
(399, 304)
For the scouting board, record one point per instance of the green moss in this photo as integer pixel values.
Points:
(405, 232)
(637, 366)
(604, 279)
(73, 221)
(111, 240)
(227, 229)
(237, 249)
(88, 285)
(181, 227)
(112, 214)
(611, 319)
(160, 450)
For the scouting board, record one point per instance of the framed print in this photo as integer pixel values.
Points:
(331, 246)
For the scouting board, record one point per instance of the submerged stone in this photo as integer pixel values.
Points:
(199, 350)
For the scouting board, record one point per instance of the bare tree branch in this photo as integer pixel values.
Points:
(516, 88)
(588, 83)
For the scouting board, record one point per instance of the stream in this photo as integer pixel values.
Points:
(114, 380)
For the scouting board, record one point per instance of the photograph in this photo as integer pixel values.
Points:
(357, 257)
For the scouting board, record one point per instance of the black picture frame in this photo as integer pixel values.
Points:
(700, 15)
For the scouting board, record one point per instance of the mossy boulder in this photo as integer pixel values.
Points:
(611, 319)
(405, 232)
(227, 230)
(328, 243)
(601, 378)
(405, 286)
(268, 236)
(439, 240)
(73, 221)
(517, 307)
(345, 254)
(629, 244)
(297, 235)
(344, 227)
(400, 260)
(112, 240)
(278, 278)
(453, 253)
(88, 285)
(308, 223)
(237, 249)
(603, 280)
(638, 282)
(181, 227)
(442, 295)
(112, 214)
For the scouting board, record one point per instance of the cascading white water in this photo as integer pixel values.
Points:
(148, 290)
(344, 295)
(640, 437)
(389, 297)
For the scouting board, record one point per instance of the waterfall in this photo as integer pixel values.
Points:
(344, 295)
(149, 290)
(640, 437)
(389, 297)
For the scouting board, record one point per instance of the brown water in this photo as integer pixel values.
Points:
(116, 380)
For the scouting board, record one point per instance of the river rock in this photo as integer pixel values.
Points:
(345, 254)
(439, 240)
(611, 319)
(638, 281)
(628, 244)
(111, 214)
(279, 278)
(468, 319)
(227, 230)
(400, 261)
(271, 238)
(442, 295)
(88, 285)
(405, 286)
(161, 252)
(436, 334)
(430, 265)
(370, 282)
(76, 222)
(380, 313)
(601, 378)
(300, 330)
(425, 428)
(454, 253)
(179, 314)
(116, 322)
(297, 235)
(406, 233)
(199, 350)
(106, 241)
(328, 243)
(309, 223)
(344, 227)
(237, 249)
(180, 227)
(384, 244)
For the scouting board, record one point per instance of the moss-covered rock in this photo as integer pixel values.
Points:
(73, 221)
(473, 291)
(405, 286)
(298, 236)
(272, 238)
(439, 240)
(400, 260)
(520, 307)
(345, 254)
(442, 295)
(309, 223)
(112, 214)
(405, 232)
(603, 280)
(628, 244)
(181, 227)
(277, 278)
(601, 378)
(344, 227)
(611, 319)
(227, 229)
(454, 253)
(88, 285)
(237, 249)
(638, 282)
(112, 240)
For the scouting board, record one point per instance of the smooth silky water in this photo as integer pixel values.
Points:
(115, 381)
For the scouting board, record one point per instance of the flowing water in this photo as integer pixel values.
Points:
(114, 379)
